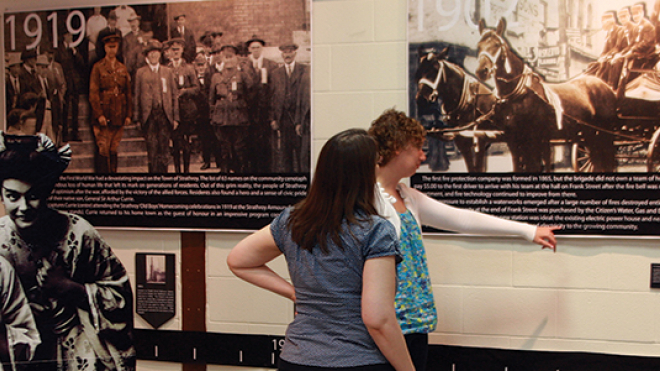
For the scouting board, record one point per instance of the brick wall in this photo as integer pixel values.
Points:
(272, 20)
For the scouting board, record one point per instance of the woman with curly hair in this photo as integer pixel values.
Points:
(400, 139)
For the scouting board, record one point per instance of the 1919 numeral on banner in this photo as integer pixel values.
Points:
(33, 28)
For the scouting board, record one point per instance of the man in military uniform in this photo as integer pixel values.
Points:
(111, 102)
(229, 109)
(188, 87)
(111, 29)
(156, 107)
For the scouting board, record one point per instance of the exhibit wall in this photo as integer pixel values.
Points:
(593, 295)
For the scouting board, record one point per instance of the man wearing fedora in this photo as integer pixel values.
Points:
(136, 60)
(12, 85)
(188, 87)
(166, 53)
(28, 79)
(156, 107)
(74, 64)
(49, 94)
(110, 99)
(229, 110)
(208, 41)
(205, 134)
(259, 103)
(289, 114)
(56, 72)
(131, 43)
(181, 31)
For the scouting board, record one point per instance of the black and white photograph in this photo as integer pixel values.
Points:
(216, 93)
(155, 288)
(540, 111)
(71, 282)
(537, 86)
(84, 74)
(156, 269)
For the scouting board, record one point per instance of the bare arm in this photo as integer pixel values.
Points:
(378, 289)
(248, 262)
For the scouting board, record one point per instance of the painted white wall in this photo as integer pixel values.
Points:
(592, 295)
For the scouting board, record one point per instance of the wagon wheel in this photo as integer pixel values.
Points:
(581, 158)
(653, 157)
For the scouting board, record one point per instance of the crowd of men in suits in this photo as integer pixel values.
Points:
(243, 112)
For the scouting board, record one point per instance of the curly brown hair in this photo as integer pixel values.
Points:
(393, 131)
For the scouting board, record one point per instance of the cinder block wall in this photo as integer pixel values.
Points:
(592, 295)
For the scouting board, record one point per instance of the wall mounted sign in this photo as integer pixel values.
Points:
(155, 282)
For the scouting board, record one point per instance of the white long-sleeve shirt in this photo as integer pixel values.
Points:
(436, 214)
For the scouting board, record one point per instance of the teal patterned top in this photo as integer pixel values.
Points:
(415, 306)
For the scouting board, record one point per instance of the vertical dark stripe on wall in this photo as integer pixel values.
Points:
(193, 293)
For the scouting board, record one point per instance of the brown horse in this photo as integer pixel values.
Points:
(463, 100)
(533, 112)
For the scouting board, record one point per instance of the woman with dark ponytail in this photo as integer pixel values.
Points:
(341, 257)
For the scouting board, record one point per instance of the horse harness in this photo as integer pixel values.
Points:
(525, 79)
(433, 84)
(466, 99)
(524, 85)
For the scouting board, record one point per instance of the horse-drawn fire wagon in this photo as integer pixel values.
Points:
(603, 128)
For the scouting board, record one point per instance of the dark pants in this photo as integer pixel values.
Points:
(260, 147)
(181, 147)
(70, 117)
(291, 144)
(287, 366)
(418, 347)
(209, 141)
(157, 135)
(233, 141)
